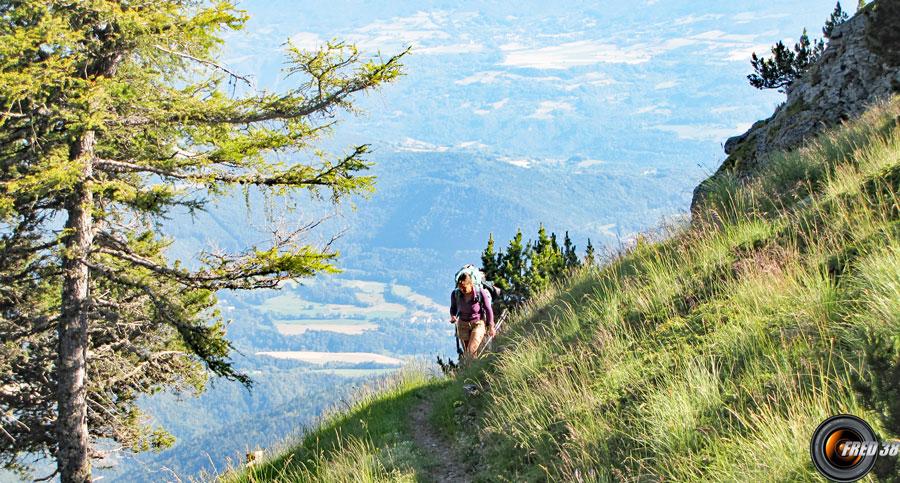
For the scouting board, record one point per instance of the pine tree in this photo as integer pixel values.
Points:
(115, 115)
(538, 269)
(515, 262)
(807, 53)
(546, 262)
(775, 72)
(785, 66)
(569, 253)
(543, 242)
(530, 267)
(524, 285)
(589, 256)
(557, 262)
(490, 261)
(837, 17)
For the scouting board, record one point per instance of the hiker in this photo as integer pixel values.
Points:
(471, 311)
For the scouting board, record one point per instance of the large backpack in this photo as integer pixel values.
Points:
(478, 283)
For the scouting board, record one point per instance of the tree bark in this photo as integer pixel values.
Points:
(73, 444)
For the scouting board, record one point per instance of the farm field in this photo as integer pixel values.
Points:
(326, 357)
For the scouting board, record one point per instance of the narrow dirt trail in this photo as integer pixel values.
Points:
(448, 468)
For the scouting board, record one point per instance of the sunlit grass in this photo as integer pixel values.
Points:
(709, 355)
(366, 439)
(731, 335)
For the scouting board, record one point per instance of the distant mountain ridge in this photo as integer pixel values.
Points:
(433, 212)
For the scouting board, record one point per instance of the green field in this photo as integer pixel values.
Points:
(291, 305)
(356, 372)
(355, 328)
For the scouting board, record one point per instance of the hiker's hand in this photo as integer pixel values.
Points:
(492, 331)
(452, 320)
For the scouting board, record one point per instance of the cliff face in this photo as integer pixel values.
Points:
(860, 66)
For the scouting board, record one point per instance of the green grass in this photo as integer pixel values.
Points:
(314, 322)
(368, 439)
(710, 354)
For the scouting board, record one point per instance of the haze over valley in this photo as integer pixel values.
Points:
(596, 120)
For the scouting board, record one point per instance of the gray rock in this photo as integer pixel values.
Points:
(860, 66)
(733, 142)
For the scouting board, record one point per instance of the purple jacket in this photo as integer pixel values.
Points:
(472, 310)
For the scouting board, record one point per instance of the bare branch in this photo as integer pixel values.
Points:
(129, 166)
(207, 62)
(48, 477)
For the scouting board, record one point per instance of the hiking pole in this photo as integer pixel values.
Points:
(486, 343)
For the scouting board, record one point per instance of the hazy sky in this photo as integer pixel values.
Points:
(649, 83)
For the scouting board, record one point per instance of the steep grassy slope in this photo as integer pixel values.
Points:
(711, 353)
(370, 440)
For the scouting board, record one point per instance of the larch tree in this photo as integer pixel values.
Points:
(116, 114)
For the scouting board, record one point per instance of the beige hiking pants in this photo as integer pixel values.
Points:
(470, 335)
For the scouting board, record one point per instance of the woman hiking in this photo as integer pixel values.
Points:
(471, 313)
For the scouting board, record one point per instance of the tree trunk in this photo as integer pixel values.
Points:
(72, 457)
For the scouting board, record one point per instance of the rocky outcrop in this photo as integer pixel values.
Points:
(860, 66)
